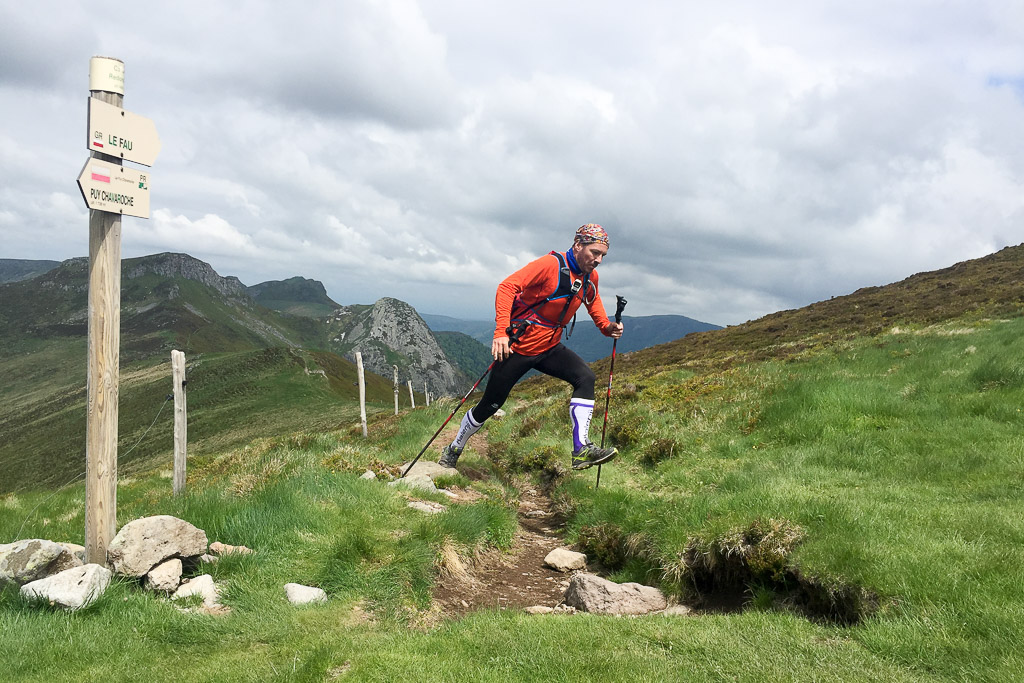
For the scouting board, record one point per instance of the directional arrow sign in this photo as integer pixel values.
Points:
(120, 133)
(113, 188)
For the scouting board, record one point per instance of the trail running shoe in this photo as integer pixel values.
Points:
(590, 455)
(449, 456)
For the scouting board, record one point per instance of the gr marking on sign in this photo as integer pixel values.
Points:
(121, 133)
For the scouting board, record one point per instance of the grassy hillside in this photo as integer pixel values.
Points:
(466, 353)
(862, 502)
(247, 372)
(232, 398)
(836, 504)
(992, 286)
(13, 270)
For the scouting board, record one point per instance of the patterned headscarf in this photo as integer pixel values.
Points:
(590, 233)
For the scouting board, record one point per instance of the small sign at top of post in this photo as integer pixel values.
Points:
(106, 74)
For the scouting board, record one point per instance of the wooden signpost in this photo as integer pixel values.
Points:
(180, 421)
(109, 190)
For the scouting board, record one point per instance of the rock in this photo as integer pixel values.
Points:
(28, 560)
(208, 558)
(677, 610)
(144, 543)
(415, 481)
(298, 594)
(202, 586)
(368, 475)
(66, 560)
(222, 549)
(165, 577)
(427, 507)
(591, 593)
(499, 413)
(564, 609)
(393, 327)
(430, 469)
(539, 609)
(71, 589)
(565, 560)
(76, 550)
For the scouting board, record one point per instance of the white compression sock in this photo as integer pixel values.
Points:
(468, 428)
(581, 410)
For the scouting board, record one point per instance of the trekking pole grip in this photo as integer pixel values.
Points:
(620, 304)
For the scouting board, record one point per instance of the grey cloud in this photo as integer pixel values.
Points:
(744, 159)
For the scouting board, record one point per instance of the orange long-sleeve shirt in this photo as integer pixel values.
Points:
(536, 281)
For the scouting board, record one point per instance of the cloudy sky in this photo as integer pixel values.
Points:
(745, 156)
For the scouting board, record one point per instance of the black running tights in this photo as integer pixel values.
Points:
(560, 362)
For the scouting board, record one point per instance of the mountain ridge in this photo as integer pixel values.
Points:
(640, 332)
(15, 270)
(991, 285)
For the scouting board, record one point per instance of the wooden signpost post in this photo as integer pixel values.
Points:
(180, 420)
(109, 190)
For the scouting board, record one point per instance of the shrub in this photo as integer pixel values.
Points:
(626, 432)
(659, 451)
(604, 543)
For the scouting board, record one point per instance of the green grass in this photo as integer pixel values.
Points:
(231, 398)
(900, 458)
(864, 496)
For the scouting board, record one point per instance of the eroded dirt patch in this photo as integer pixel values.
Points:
(513, 580)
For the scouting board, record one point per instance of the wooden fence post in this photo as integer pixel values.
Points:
(426, 392)
(104, 330)
(362, 391)
(412, 398)
(396, 388)
(180, 421)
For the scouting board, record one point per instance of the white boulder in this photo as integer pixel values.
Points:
(144, 543)
(591, 593)
(298, 594)
(202, 586)
(565, 560)
(165, 577)
(420, 482)
(71, 589)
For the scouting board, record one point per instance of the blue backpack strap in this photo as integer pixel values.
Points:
(521, 313)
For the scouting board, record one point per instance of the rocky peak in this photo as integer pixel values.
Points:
(389, 333)
(173, 265)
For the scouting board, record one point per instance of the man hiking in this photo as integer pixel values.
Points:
(532, 307)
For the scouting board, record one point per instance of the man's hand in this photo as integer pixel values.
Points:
(500, 349)
(615, 330)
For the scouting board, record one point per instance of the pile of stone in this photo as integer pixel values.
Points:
(155, 550)
(52, 571)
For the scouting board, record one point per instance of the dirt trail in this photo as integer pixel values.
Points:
(516, 579)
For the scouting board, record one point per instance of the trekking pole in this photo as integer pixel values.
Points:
(620, 304)
(514, 334)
